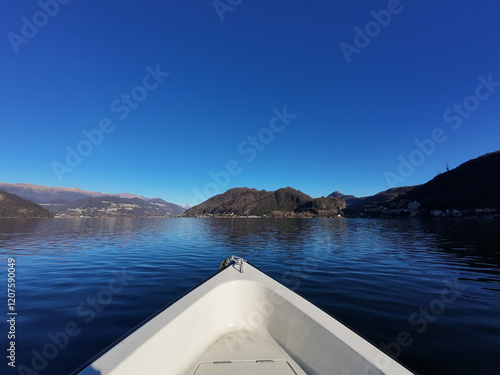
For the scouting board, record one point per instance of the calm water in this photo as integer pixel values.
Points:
(436, 280)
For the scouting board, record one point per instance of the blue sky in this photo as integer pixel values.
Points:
(185, 99)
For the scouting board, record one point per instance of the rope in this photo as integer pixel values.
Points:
(225, 263)
(237, 260)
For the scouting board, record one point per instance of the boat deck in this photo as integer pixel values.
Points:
(240, 321)
(246, 353)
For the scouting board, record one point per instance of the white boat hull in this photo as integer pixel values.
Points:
(243, 323)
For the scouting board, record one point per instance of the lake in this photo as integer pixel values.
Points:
(426, 290)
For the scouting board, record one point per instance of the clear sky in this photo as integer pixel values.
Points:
(185, 99)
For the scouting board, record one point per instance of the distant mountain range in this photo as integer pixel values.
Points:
(115, 206)
(473, 185)
(12, 205)
(285, 202)
(47, 195)
(77, 202)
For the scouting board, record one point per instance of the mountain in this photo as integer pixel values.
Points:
(77, 202)
(115, 206)
(47, 195)
(348, 199)
(355, 204)
(285, 202)
(12, 205)
(473, 184)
